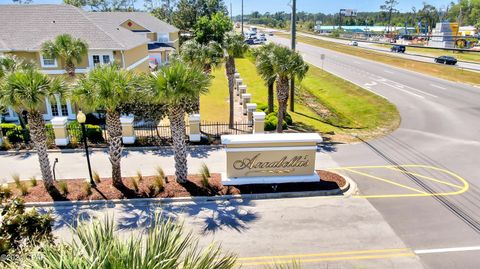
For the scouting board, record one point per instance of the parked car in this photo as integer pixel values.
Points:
(250, 41)
(353, 43)
(446, 60)
(398, 48)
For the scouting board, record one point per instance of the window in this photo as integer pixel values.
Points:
(54, 107)
(106, 59)
(48, 62)
(101, 59)
(163, 38)
(96, 60)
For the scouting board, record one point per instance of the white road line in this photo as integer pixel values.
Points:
(389, 72)
(438, 87)
(444, 250)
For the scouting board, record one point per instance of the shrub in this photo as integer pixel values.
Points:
(19, 228)
(7, 127)
(6, 145)
(87, 188)
(164, 244)
(5, 192)
(160, 172)
(18, 135)
(23, 188)
(139, 176)
(135, 183)
(96, 177)
(63, 187)
(94, 132)
(33, 181)
(205, 176)
(158, 183)
(271, 122)
(16, 179)
(262, 107)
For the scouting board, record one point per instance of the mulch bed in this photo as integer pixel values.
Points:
(193, 187)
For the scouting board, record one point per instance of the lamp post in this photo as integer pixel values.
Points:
(293, 44)
(81, 118)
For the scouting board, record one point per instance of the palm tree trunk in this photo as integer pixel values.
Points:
(38, 133)
(114, 130)
(230, 67)
(270, 98)
(282, 97)
(176, 116)
(70, 68)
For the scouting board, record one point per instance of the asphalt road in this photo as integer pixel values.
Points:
(406, 55)
(440, 131)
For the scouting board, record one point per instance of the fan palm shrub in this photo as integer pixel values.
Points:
(287, 64)
(108, 87)
(176, 86)
(97, 245)
(69, 49)
(264, 63)
(234, 47)
(27, 90)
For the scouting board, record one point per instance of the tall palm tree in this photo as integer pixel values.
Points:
(108, 87)
(264, 63)
(203, 56)
(234, 47)
(69, 49)
(27, 89)
(287, 64)
(175, 86)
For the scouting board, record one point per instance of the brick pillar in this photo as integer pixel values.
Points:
(236, 75)
(194, 122)
(128, 133)
(238, 82)
(258, 122)
(242, 89)
(59, 125)
(246, 98)
(251, 107)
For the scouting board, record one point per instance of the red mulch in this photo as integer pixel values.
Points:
(193, 187)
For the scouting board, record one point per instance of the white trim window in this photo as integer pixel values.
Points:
(99, 59)
(48, 62)
(163, 37)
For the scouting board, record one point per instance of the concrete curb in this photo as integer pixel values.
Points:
(349, 188)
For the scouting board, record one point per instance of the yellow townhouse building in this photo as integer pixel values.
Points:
(135, 40)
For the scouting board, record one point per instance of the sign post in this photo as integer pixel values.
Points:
(322, 56)
(270, 158)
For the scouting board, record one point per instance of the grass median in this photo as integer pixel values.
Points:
(436, 70)
(324, 103)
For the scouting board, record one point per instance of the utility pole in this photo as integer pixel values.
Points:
(293, 45)
(242, 18)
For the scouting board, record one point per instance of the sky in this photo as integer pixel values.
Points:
(313, 6)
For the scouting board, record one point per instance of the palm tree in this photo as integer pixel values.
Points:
(69, 49)
(234, 46)
(264, 63)
(203, 56)
(108, 87)
(27, 89)
(165, 244)
(175, 86)
(287, 64)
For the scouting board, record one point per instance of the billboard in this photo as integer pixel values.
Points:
(348, 12)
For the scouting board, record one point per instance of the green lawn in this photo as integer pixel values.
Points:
(325, 103)
(214, 105)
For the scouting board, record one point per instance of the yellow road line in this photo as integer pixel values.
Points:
(427, 177)
(464, 189)
(325, 254)
(346, 258)
(386, 180)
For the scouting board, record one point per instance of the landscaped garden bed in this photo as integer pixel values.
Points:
(153, 187)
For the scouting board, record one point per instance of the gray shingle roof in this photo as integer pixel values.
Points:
(143, 18)
(26, 27)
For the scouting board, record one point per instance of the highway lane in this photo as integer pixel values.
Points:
(439, 128)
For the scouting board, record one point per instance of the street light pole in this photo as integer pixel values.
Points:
(81, 118)
(293, 45)
(242, 18)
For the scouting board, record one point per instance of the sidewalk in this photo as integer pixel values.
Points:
(74, 165)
